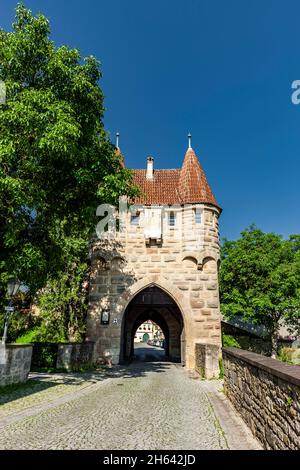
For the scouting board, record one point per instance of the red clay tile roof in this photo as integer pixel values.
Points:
(180, 186)
(162, 189)
(193, 183)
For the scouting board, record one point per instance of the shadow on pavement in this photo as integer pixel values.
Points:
(14, 392)
(149, 354)
(138, 369)
(145, 360)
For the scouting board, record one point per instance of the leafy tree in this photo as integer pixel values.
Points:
(260, 281)
(56, 161)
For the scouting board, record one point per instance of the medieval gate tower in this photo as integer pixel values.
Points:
(163, 266)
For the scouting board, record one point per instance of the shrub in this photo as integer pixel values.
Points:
(229, 342)
(28, 337)
(20, 324)
(221, 367)
(285, 355)
(63, 306)
(44, 355)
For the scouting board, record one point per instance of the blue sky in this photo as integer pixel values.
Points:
(222, 70)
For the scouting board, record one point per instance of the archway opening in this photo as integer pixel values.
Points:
(149, 341)
(153, 306)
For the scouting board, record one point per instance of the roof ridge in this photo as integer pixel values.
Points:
(157, 169)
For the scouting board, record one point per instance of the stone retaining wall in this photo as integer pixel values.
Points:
(15, 361)
(75, 355)
(266, 392)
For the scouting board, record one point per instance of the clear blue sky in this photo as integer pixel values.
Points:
(220, 69)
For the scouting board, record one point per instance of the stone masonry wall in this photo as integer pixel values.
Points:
(15, 361)
(266, 393)
(207, 360)
(74, 355)
(188, 263)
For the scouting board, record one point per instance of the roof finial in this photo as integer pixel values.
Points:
(117, 139)
(190, 140)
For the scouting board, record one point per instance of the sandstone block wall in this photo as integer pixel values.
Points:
(15, 362)
(266, 393)
(207, 360)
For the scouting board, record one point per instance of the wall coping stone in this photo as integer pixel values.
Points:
(45, 342)
(16, 345)
(287, 372)
(72, 343)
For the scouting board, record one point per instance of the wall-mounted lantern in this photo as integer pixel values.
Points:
(105, 316)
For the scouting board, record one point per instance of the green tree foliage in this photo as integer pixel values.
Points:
(260, 280)
(56, 162)
(230, 342)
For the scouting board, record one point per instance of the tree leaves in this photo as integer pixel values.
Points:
(260, 279)
(56, 162)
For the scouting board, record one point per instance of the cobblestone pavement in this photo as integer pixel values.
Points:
(143, 406)
(46, 389)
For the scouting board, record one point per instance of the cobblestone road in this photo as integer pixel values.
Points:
(143, 406)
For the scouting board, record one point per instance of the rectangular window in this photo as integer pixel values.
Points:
(135, 219)
(172, 219)
(198, 216)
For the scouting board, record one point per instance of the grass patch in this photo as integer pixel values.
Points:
(28, 337)
(7, 389)
(14, 391)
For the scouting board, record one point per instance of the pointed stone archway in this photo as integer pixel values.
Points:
(186, 353)
(152, 303)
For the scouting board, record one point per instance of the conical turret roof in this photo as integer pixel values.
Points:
(193, 185)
